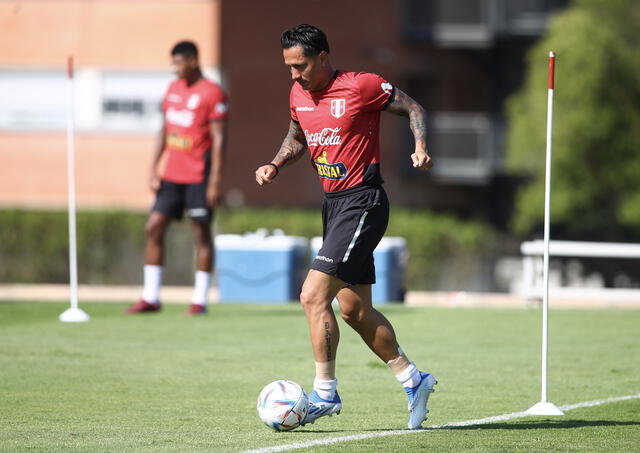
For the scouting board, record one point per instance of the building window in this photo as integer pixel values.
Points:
(462, 146)
(131, 101)
(33, 100)
(451, 23)
(103, 100)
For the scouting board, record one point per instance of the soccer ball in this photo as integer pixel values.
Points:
(282, 405)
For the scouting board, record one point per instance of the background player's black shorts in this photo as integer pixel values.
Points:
(173, 199)
(353, 223)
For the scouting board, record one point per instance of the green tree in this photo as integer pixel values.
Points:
(596, 135)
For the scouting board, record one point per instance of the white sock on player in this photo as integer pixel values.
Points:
(325, 389)
(410, 376)
(201, 288)
(152, 283)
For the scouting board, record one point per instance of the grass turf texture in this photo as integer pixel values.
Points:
(168, 382)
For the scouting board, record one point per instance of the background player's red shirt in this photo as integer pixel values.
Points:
(188, 111)
(342, 125)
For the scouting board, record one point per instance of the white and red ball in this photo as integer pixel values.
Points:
(282, 405)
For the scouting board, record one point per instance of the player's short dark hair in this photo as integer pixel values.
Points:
(186, 49)
(310, 38)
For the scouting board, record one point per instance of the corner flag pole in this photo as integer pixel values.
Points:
(545, 407)
(72, 314)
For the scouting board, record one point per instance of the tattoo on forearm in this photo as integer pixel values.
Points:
(293, 146)
(403, 105)
(327, 341)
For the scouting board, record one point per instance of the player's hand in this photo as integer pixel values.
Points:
(266, 174)
(154, 182)
(421, 160)
(214, 196)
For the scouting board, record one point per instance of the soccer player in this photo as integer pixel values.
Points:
(191, 148)
(335, 116)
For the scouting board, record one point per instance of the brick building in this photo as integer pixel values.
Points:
(460, 59)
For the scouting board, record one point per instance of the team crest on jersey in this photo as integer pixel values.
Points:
(221, 108)
(330, 171)
(338, 107)
(193, 101)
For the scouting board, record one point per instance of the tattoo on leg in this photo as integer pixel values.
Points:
(327, 341)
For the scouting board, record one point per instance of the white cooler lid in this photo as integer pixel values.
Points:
(253, 241)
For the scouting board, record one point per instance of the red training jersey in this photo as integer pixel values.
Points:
(188, 111)
(342, 126)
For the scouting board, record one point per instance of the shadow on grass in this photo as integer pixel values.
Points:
(345, 431)
(354, 431)
(543, 424)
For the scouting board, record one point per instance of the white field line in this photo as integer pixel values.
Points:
(401, 432)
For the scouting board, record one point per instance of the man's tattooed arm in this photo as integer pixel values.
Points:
(292, 149)
(293, 146)
(403, 105)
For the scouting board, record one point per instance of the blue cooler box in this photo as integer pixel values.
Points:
(390, 258)
(259, 268)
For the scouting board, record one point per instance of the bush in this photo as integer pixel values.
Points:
(445, 252)
(34, 246)
(294, 222)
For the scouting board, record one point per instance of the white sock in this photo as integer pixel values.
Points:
(152, 283)
(325, 389)
(410, 376)
(201, 288)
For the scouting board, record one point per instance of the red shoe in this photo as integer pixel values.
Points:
(142, 306)
(197, 309)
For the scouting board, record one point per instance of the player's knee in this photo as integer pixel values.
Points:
(202, 236)
(311, 302)
(306, 298)
(353, 316)
(153, 230)
(202, 242)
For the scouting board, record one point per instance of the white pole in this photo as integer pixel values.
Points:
(73, 314)
(544, 407)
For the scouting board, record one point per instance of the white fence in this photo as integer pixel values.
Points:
(533, 251)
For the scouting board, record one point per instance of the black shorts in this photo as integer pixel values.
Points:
(353, 223)
(172, 199)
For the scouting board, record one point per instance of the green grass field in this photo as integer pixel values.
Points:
(167, 382)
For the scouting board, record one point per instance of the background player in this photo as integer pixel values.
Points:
(191, 147)
(335, 115)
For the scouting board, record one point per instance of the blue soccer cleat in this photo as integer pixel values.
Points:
(319, 407)
(418, 398)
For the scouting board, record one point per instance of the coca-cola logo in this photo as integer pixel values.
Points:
(325, 137)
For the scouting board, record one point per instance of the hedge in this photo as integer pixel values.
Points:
(445, 252)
